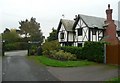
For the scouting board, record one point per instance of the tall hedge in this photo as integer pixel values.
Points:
(15, 46)
(92, 51)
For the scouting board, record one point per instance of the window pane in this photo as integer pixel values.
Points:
(79, 31)
(79, 44)
(62, 35)
(94, 32)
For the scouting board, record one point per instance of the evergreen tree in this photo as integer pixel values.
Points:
(52, 35)
(31, 29)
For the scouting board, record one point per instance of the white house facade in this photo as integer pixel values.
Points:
(88, 28)
(65, 32)
(82, 28)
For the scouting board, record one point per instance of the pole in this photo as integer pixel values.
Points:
(3, 48)
(104, 53)
(28, 48)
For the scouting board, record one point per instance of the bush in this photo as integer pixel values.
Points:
(39, 50)
(15, 46)
(61, 55)
(93, 51)
(47, 47)
(33, 49)
(73, 50)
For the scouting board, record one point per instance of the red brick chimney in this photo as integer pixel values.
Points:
(110, 32)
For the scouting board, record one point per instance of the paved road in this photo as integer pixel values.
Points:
(88, 73)
(17, 68)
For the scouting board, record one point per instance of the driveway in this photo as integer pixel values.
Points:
(16, 67)
(88, 73)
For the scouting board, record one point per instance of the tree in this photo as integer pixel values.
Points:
(31, 29)
(6, 30)
(52, 35)
(10, 36)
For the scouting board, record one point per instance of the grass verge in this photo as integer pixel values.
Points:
(56, 63)
(114, 80)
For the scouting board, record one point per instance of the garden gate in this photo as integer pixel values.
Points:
(113, 54)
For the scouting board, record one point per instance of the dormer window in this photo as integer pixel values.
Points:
(62, 35)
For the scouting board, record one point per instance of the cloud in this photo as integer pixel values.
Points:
(49, 12)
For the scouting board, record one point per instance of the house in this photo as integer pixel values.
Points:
(83, 28)
(65, 32)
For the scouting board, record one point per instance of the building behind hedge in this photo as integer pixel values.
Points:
(88, 28)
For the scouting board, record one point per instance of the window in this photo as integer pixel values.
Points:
(118, 32)
(62, 35)
(94, 31)
(79, 31)
(79, 44)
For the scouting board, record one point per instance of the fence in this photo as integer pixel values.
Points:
(113, 54)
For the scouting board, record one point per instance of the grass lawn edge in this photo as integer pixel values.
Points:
(56, 63)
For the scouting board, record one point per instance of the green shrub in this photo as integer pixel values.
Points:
(73, 50)
(61, 55)
(33, 49)
(93, 51)
(47, 47)
(15, 46)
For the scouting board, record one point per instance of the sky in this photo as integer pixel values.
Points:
(49, 12)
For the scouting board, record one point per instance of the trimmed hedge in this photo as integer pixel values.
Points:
(92, 51)
(15, 46)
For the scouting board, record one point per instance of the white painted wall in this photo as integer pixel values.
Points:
(82, 37)
(70, 36)
(85, 32)
(62, 29)
(101, 34)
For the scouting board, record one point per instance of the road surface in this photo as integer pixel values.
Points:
(17, 68)
(88, 73)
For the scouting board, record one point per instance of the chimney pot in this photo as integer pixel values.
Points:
(108, 6)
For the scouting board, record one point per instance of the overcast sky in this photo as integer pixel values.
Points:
(49, 12)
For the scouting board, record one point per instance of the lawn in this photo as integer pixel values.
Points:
(56, 63)
(114, 80)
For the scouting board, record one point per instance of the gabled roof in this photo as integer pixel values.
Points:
(92, 21)
(68, 24)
